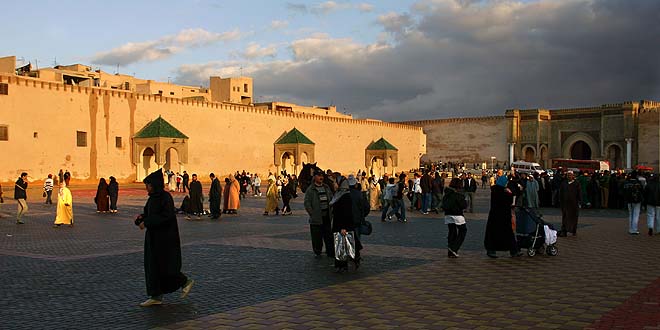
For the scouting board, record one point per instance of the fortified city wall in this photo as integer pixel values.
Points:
(470, 140)
(43, 117)
(649, 138)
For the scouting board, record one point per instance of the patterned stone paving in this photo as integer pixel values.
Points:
(256, 272)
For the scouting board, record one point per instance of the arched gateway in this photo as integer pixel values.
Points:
(159, 144)
(291, 150)
(381, 157)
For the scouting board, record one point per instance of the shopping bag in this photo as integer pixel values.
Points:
(344, 246)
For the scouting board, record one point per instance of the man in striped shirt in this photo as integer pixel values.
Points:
(48, 188)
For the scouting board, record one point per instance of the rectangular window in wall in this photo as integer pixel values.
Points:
(118, 141)
(4, 89)
(4, 133)
(245, 89)
(81, 139)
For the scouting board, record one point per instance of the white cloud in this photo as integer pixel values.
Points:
(279, 24)
(253, 51)
(328, 7)
(163, 47)
(323, 47)
(365, 7)
(395, 23)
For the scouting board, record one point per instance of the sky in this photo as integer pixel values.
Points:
(392, 60)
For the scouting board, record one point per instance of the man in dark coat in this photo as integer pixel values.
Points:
(186, 178)
(215, 194)
(652, 200)
(20, 195)
(570, 195)
(196, 197)
(499, 229)
(470, 186)
(426, 183)
(162, 247)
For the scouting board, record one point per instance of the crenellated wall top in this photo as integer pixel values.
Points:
(57, 86)
(452, 120)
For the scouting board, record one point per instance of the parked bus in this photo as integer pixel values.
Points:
(582, 165)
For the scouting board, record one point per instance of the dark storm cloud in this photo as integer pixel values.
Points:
(472, 58)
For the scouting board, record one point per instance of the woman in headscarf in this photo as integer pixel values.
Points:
(101, 199)
(232, 195)
(272, 197)
(374, 194)
(342, 218)
(499, 230)
(113, 192)
(64, 215)
(162, 246)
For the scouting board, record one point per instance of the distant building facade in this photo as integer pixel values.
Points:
(625, 134)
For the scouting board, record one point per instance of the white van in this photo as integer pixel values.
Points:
(527, 167)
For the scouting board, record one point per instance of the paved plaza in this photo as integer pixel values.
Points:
(258, 272)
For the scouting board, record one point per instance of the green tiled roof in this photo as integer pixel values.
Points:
(294, 136)
(160, 128)
(381, 144)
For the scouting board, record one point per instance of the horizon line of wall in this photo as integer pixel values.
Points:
(33, 82)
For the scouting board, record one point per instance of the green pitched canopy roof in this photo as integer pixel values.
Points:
(294, 136)
(381, 144)
(160, 128)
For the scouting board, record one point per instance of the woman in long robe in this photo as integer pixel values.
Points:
(196, 196)
(162, 246)
(271, 197)
(232, 201)
(570, 196)
(499, 230)
(374, 194)
(102, 197)
(225, 195)
(64, 215)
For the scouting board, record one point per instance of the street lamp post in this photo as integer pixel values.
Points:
(492, 163)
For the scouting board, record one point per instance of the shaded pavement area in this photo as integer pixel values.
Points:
(258, 272)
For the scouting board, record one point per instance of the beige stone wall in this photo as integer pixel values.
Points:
(649, 139)
(471, 140)
(223, 138)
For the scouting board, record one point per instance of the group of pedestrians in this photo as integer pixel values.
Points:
(222, 199)
(107, 195)
(339, 209)
(64, 212)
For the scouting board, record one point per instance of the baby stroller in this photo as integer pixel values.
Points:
(534, 234)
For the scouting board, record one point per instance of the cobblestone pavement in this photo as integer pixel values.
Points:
(258, 272)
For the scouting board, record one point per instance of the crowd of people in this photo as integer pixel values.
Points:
(338, 204)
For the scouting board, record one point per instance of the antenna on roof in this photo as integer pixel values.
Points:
(241, 71)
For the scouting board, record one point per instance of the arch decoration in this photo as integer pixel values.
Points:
(291, 149)
(382, 156)
(577, 137)
(158, 139)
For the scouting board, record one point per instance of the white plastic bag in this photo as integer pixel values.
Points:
(550, 235)
(344, 246)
